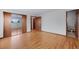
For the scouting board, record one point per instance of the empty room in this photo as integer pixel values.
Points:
(39, 29)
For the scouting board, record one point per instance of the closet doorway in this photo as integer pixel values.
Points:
(35, 23)
(14, 24)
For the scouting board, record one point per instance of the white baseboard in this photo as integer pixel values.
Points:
(1, 36)
(54, 32)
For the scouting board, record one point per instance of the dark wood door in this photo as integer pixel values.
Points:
(24, 26)
(38, 23)
(35, 23)
(7, 27)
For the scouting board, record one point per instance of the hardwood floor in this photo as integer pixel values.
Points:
(16, 32)
(39, 40)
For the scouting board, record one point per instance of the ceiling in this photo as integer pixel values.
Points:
(31, 11)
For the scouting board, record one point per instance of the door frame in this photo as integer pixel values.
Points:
(23, 17)
(6, 33)
(76, 25)
(31, 22)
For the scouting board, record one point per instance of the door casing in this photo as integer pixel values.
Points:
(36, 22)
(7, 27)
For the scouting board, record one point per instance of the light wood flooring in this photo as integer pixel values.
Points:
(16, 32)
(39, 40)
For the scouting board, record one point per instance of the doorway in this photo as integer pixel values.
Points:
(35, 23)
(71, 24)
(14, 24)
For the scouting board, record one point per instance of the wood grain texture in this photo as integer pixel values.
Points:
(36, 23)
(24, 26)
(7, 27)
(39, 40)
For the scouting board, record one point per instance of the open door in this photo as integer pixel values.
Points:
(35, 23)
(7, 28)
(38, 23)
(24, 26)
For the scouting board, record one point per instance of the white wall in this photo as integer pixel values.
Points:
(28, 23)
(1, 24)
(54, 22)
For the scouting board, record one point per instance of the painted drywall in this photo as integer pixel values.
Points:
(28, 23)
(54, 22)
(71, 18)
(1, 24)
